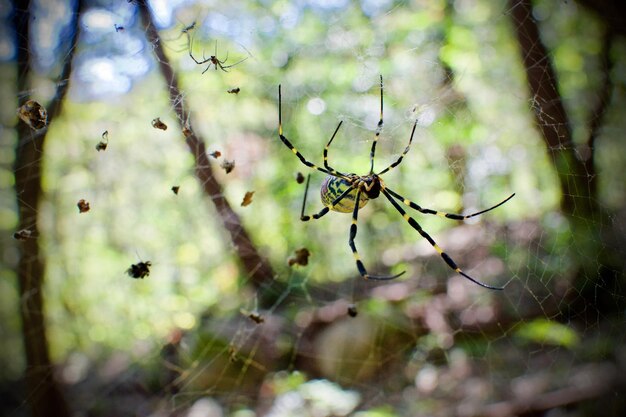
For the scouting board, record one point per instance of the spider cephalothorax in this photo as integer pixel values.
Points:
(340, 192)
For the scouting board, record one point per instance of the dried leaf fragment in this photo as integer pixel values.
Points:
(102, 145)
(22, 234)
(139, 270)
(83, 206)
(247, 199)
(33, 114)
(301, 258)
(158, 124)
(255, 316)
(228, 166)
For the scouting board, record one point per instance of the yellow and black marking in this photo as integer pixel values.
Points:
(406, 150)
(453, 216)
(341, 192)
(332, 187)
(415, 225)
(288, 144)
(332, 205)
(379, 128)
(328, 167)
(355, 253)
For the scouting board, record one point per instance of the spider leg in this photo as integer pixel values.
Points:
(290, 146)
(406, 150)
(322, 212)
(442, 213)
(190, 46)
(357, 258)
(415, 225)
(231, 65)
(378, 129)
(328, 167)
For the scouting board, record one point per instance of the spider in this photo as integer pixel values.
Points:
(212, 60)
(340, 192)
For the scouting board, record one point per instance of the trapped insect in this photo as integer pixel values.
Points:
(139, 270)
(33, 114)
(345, 193)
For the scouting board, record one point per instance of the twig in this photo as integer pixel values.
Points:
(597, 115)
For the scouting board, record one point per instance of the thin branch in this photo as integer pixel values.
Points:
(588, 382)
(257, 267)
(599, 112)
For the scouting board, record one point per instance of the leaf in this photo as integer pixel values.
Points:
(247, 199)
(83, 206)
(158, 124)
(301, 258)
(548, 332)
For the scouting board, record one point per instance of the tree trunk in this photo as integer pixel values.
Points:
(43, 392)
(598, 279)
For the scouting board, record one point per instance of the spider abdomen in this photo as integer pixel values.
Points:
(333, 187)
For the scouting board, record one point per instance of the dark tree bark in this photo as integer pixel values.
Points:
(256, 266)
(550, 114)
(598, 281)
(43, 392)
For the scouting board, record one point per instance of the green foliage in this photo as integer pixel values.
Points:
(543, 331)
(452, 67)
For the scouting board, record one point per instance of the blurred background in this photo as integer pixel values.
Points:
(234, 319)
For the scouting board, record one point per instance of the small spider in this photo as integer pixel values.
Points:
(347, 193)
(212, 60)
(139, 270)
(352, 310)
(235, 90)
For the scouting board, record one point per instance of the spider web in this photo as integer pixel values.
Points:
(199, 337)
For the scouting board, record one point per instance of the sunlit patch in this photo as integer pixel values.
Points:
(427, 379)
(103, 76)
(184, 320)
(99, 19)
(316, 106)
(425, 115)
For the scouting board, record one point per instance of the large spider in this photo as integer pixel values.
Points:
(340, 192)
